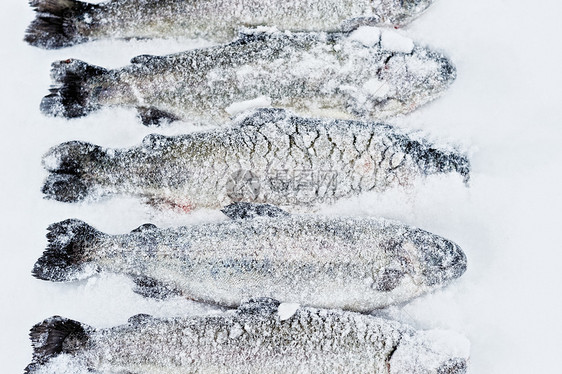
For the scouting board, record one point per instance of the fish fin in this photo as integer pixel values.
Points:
(66, 257)
(261, 116)
(170, 204)
(154, 289)
(262, 306)
(244, 210)
(144, 59)
(353, 24)
(145, 227)
(151, 116)
(54, 336)
(67, 164)
(433, 160)
(70, 97)
(55, 25)
(139, 319)
(65, 187)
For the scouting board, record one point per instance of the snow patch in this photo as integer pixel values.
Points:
(366, 35)
(287, 310)
(242, 106)
(395, 42)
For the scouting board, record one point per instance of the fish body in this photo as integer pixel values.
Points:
(269, 156)
(361, 74)
(356, 264)
(261, 336)
(62, 23)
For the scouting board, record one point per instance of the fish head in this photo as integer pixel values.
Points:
(433, 351)
(439, 260)
(411, 76)
(428, 260)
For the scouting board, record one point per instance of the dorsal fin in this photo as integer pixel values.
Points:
(261, 116)
(151, 116)
(143, 59)
(139, 319)
(245, 210)
(153, 288)
(250, 34)
(145, 227)
(261, 306)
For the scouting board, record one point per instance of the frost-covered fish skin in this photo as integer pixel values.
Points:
(261, 336)
(62, 23)
(361, 74)
(268, 156)
(355, 264)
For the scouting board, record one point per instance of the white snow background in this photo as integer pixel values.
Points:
(505, 107)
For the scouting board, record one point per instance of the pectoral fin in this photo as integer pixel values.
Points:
(151, 116)
(245, 210)
(262, 306)
(152, 288)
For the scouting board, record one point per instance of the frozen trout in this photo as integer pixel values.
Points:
(261, 336)
(364, 73)
(268, 156)
(357, 264)
(62, 23)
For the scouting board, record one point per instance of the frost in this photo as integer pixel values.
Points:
(242, 106)
(287, 310)
(396, 42)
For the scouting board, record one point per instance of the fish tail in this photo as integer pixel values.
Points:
(432, 160)
(69, 165)
(67, 256)
(447, 162)
(55, 25)
(71, 95)
(54, 336)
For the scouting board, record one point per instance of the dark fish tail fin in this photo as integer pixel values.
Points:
(71, 96)
(56, 23)
(69, 164)
(433, 160)
(67, 256)
(54, 336)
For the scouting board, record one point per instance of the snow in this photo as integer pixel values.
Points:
(368, 36)
(287, 310)
(242, 106)
(504, 106)
(395, 42)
